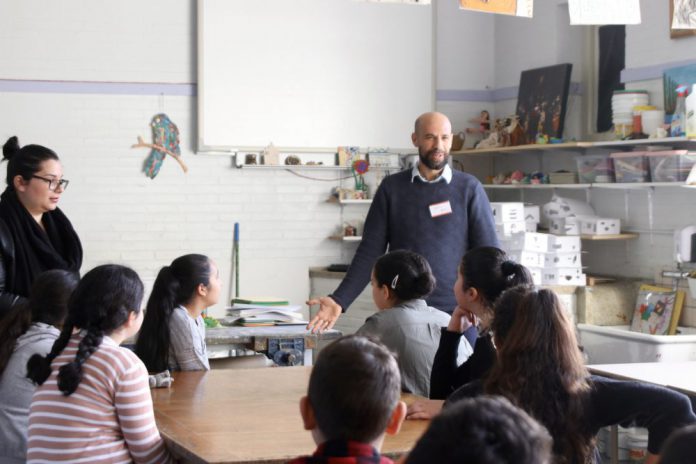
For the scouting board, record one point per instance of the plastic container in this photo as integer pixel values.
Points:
(637, 444)
(670, 165)
(616, 344)
(652, 119)
(631, 166)
(595, 169)
(691, 113)
(678, 125)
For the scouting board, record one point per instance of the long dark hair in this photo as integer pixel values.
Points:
(406, 273)
(25, 161)
(490, 271)
(47, 303)
(540, 368)
(101, 303)
(175, 284)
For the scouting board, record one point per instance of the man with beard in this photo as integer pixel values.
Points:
(431, 210)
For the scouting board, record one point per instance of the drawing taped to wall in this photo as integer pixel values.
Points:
(682, 18)
(508, 7)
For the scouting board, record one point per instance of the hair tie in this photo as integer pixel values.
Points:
(394, 281)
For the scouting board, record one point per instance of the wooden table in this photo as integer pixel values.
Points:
(246, 416)
(680, 376)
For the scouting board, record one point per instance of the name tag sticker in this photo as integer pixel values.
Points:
(440, 209)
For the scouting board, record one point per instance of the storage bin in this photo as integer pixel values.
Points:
(670, 165)
(507, 212)
(631, 167)
(616, 344)
(595, 169)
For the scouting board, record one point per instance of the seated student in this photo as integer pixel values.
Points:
(484, 273)
(541, 370)
(352, 401)
(173, 333)
(680, 447)
(28, 329)
(93, 403)
(405, 323)
(484, 430)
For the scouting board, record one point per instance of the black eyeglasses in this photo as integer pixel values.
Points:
(53, 184)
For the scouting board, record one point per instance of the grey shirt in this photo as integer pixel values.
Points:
(412, 331)
(187, 349)
(16, 391)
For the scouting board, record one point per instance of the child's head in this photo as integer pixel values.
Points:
(540, 367)
(106, 301)
(191, 280)
(680, 447)
(49, 295)
(47, 303)
(483, 430)
(401, 275)
(353, 393)
(484, 273)
(187, 278)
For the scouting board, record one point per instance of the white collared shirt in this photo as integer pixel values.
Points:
(446, 174)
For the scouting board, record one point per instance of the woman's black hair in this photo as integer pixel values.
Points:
(175, 285)
(25, 161)
(490, 271)
(101, 303)
(47, 303)
(406, 273)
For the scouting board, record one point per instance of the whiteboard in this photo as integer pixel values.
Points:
(312, 74)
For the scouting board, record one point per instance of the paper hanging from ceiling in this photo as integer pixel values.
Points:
(596, 12)
(523, 8)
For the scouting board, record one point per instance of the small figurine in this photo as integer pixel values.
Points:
(292, 160)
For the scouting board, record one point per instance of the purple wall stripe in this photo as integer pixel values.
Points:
(650, 72)
(104, 88)
(497, 95)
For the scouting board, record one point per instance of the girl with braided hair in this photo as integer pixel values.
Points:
(94, 402)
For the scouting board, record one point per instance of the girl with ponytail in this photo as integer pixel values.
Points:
(28, 330)
(94, 402)
(483, 274)
(401, 280)
(173, 333)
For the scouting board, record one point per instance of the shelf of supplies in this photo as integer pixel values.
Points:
(535, 186)
(577, 146)
(615, 185)
(624, 236)
(310, 167)
(348, 238)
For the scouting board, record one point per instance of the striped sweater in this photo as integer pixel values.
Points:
(109, 418)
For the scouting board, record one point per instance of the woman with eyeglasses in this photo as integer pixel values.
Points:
(35, 235)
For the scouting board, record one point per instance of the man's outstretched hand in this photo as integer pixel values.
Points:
(326, 317)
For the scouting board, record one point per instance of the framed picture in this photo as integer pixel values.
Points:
(542, 100)
(657, 310)
(682, 18)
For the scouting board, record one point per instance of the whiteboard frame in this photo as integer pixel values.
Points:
(202, 148)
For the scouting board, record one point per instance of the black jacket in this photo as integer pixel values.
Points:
(7, 253)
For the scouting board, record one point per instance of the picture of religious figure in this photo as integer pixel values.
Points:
(542, 101)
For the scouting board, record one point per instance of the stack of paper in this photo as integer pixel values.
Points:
(251, 315)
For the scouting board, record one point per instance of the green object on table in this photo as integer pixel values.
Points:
(210, 322)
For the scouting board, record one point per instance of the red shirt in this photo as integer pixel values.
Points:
(343, 452)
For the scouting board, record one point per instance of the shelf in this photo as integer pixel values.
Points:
(354, 238)
(311, 167)
(624, 236)
(579, 146)
(608, 185)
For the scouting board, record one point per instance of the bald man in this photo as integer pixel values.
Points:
(430, 209)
